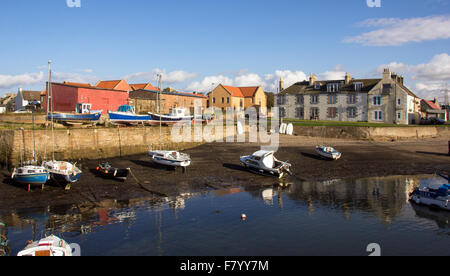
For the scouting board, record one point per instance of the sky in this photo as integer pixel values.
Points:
(198, 44)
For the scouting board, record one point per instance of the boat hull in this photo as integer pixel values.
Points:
(161, 159)
(32, 179)
(432, 202)
(75, 118)
(329, 155)
(65, 178)
(114, 173)
(156, 119)
(126, 118)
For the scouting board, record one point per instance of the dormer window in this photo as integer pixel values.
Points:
(358, 86)
(317, 86)
(333, 87)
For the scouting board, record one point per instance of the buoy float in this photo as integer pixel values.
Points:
(243, 216)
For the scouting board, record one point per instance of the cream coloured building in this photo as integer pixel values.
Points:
(238, 98)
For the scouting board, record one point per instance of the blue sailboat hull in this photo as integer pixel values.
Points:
(37, 179)
(121, 117)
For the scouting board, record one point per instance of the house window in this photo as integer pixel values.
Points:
(314, 99)
(399, 115)
(351, 112)
(332, 112)
(387, 88)
(300, 112)
(299, 99)
(351, 99)
(282, 112)
(377, 100)
(378, 115)
(214, 100)
(333, 87)
(358, 86)
(314, 113)
(317, 86)
(332, 99)
(399, 101)
(242, 103)
(223, 100)
(281, 99)
(228, 100)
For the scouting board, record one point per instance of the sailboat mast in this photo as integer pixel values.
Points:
(50, 92)
(159, 108)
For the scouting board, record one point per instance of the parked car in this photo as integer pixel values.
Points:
(432, 121)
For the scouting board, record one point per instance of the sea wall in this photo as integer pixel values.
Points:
(90, 143)
(374, 133)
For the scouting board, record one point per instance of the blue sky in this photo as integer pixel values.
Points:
(198, 43)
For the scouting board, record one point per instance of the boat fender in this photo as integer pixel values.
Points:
(106, 171)
(29, 242)
(115, 173)
(98, 168)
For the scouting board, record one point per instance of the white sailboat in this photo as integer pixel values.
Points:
(47, 247)
(60, 171)
(169, 158)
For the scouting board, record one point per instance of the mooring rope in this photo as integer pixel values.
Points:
(143, 187)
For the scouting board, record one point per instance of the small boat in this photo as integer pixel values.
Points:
(264, 162)
(170, 158)
(30, 175)
(432, 196)
(126, 114)
(48, 247)
(176, 115)
(62, 171)
(105, 169)
(82, 115)
(328, 153)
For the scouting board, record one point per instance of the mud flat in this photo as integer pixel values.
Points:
(216, 166)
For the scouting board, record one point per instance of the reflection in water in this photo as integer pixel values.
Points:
(369, 201)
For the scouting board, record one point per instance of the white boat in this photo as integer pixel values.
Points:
(170, 158)
(265, 162)
(176, 115)
(62, 171)
(432, 196)
(48, 247)
(290, 129)
(328, 152)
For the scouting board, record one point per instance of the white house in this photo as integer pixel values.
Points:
(25, 98)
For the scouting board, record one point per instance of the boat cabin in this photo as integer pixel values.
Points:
(266, 157)
(83, 108)
(179, 111)
(126, 109)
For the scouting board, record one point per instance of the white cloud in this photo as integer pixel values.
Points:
(168, 78)
(28, 79)
(73, 77)
(438, 69)
(248, 80)
(289, 78)
(209, 83)
(396, 32)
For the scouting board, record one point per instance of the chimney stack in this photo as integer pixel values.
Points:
(312, 79)
(386, 74)
(281, 85)
(348, 78)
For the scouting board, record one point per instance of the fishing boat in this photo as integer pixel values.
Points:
(432, 196)
(176, 115)
(106, 170)
(264, 162)
(170, 158)
(47, 247)
(126, 115)
(62, 171)
(328, 153)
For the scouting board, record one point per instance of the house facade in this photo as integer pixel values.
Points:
(25, 98)
(148, 99)
(352, 100)
(432, 109)
(238, 98)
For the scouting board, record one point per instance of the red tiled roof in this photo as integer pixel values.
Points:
(432, 105)
(108, 84)
(146, 86)
(242, 92)
(77, 84)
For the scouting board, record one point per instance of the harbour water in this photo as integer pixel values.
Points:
(338, 217)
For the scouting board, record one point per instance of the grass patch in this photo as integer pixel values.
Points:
(297, 122)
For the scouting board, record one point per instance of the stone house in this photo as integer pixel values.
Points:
(25, 98)
(238, 98)
(351, 100)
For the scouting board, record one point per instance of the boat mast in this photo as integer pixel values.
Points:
(159, 109)
(50, 92)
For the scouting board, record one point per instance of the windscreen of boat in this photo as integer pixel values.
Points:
(126, 108)
(269, 161)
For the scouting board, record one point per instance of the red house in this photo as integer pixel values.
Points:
(67, 95)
